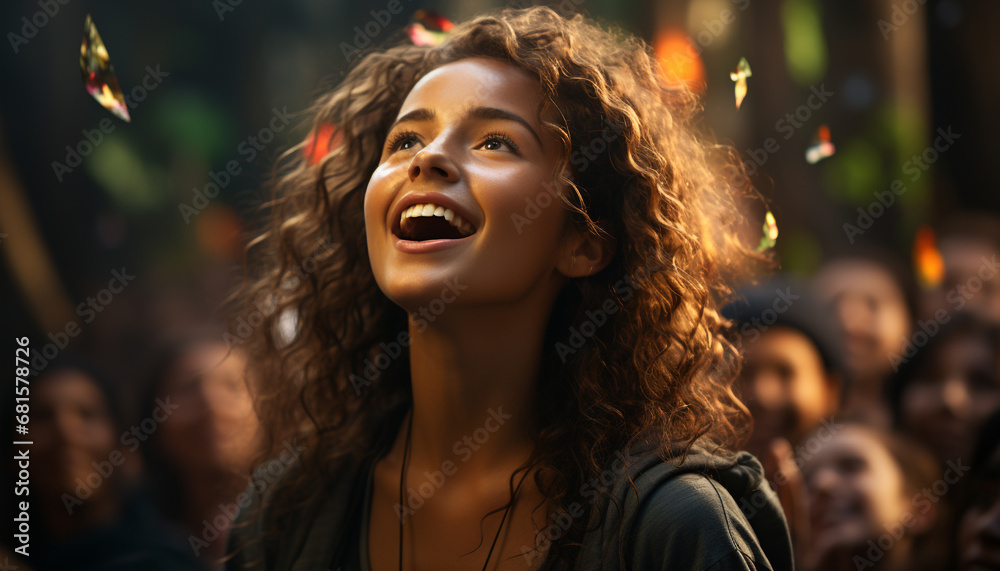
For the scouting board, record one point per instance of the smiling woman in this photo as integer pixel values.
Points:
(614, 454)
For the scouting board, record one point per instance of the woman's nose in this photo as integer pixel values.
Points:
(856, 313)
(432, 163)
(68, 425)
(955, 396)
(823, 480)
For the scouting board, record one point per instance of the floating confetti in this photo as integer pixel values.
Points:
(770, 237)
(927, 258)
(421, 36)
(433, 21)
(429, 29)
(740, 75)
(321, 142)
(98, 74)
(822, 148)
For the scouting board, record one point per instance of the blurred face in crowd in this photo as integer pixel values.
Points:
(871, 311)
(968, 279)
(856, 489)
(979, 527)
(71, 427)
(948, 401)
(785, 386)
(214, 426)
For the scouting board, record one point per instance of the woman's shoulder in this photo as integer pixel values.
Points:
(693, 522)
(704, 511)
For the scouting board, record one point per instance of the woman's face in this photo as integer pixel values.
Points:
(965, 259)
(871, 311)
(72, 429)
(467, 139)
(214, 425)
(785, 386)
(947, 403)
(856, 489)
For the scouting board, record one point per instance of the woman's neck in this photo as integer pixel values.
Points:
(474, 373)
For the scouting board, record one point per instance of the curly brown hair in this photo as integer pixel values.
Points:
(661, 364)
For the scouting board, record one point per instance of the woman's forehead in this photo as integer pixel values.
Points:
(475, 82)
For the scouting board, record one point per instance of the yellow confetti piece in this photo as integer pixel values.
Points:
(740, 75)
(770, 237)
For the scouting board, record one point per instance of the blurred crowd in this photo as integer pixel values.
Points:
(155, 492)
(876, 406)
(876, 403)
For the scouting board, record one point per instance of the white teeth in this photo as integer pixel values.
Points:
(418, 210)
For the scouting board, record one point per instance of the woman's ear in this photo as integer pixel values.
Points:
(584, 254)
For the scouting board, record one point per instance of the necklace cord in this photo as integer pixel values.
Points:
(503, 519)
(402, 483)
(402, 511)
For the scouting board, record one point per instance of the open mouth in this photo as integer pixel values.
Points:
(839, 513)
(422, 222)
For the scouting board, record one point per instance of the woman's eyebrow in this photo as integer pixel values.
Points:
(424, 114)
(494, 113)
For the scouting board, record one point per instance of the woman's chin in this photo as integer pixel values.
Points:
(414, 287)
(424, 299)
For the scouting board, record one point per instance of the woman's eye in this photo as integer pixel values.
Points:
(851, 465)
(403, 141)
(981, 381)
(498, 142)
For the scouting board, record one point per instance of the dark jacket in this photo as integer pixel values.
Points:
(707, 514)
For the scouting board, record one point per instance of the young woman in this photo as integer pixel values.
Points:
(512, 358)
(874, 501)
(197, 457)
(945, 392)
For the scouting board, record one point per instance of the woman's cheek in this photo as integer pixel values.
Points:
(375, 199)
(526, 206)
(105, 440)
